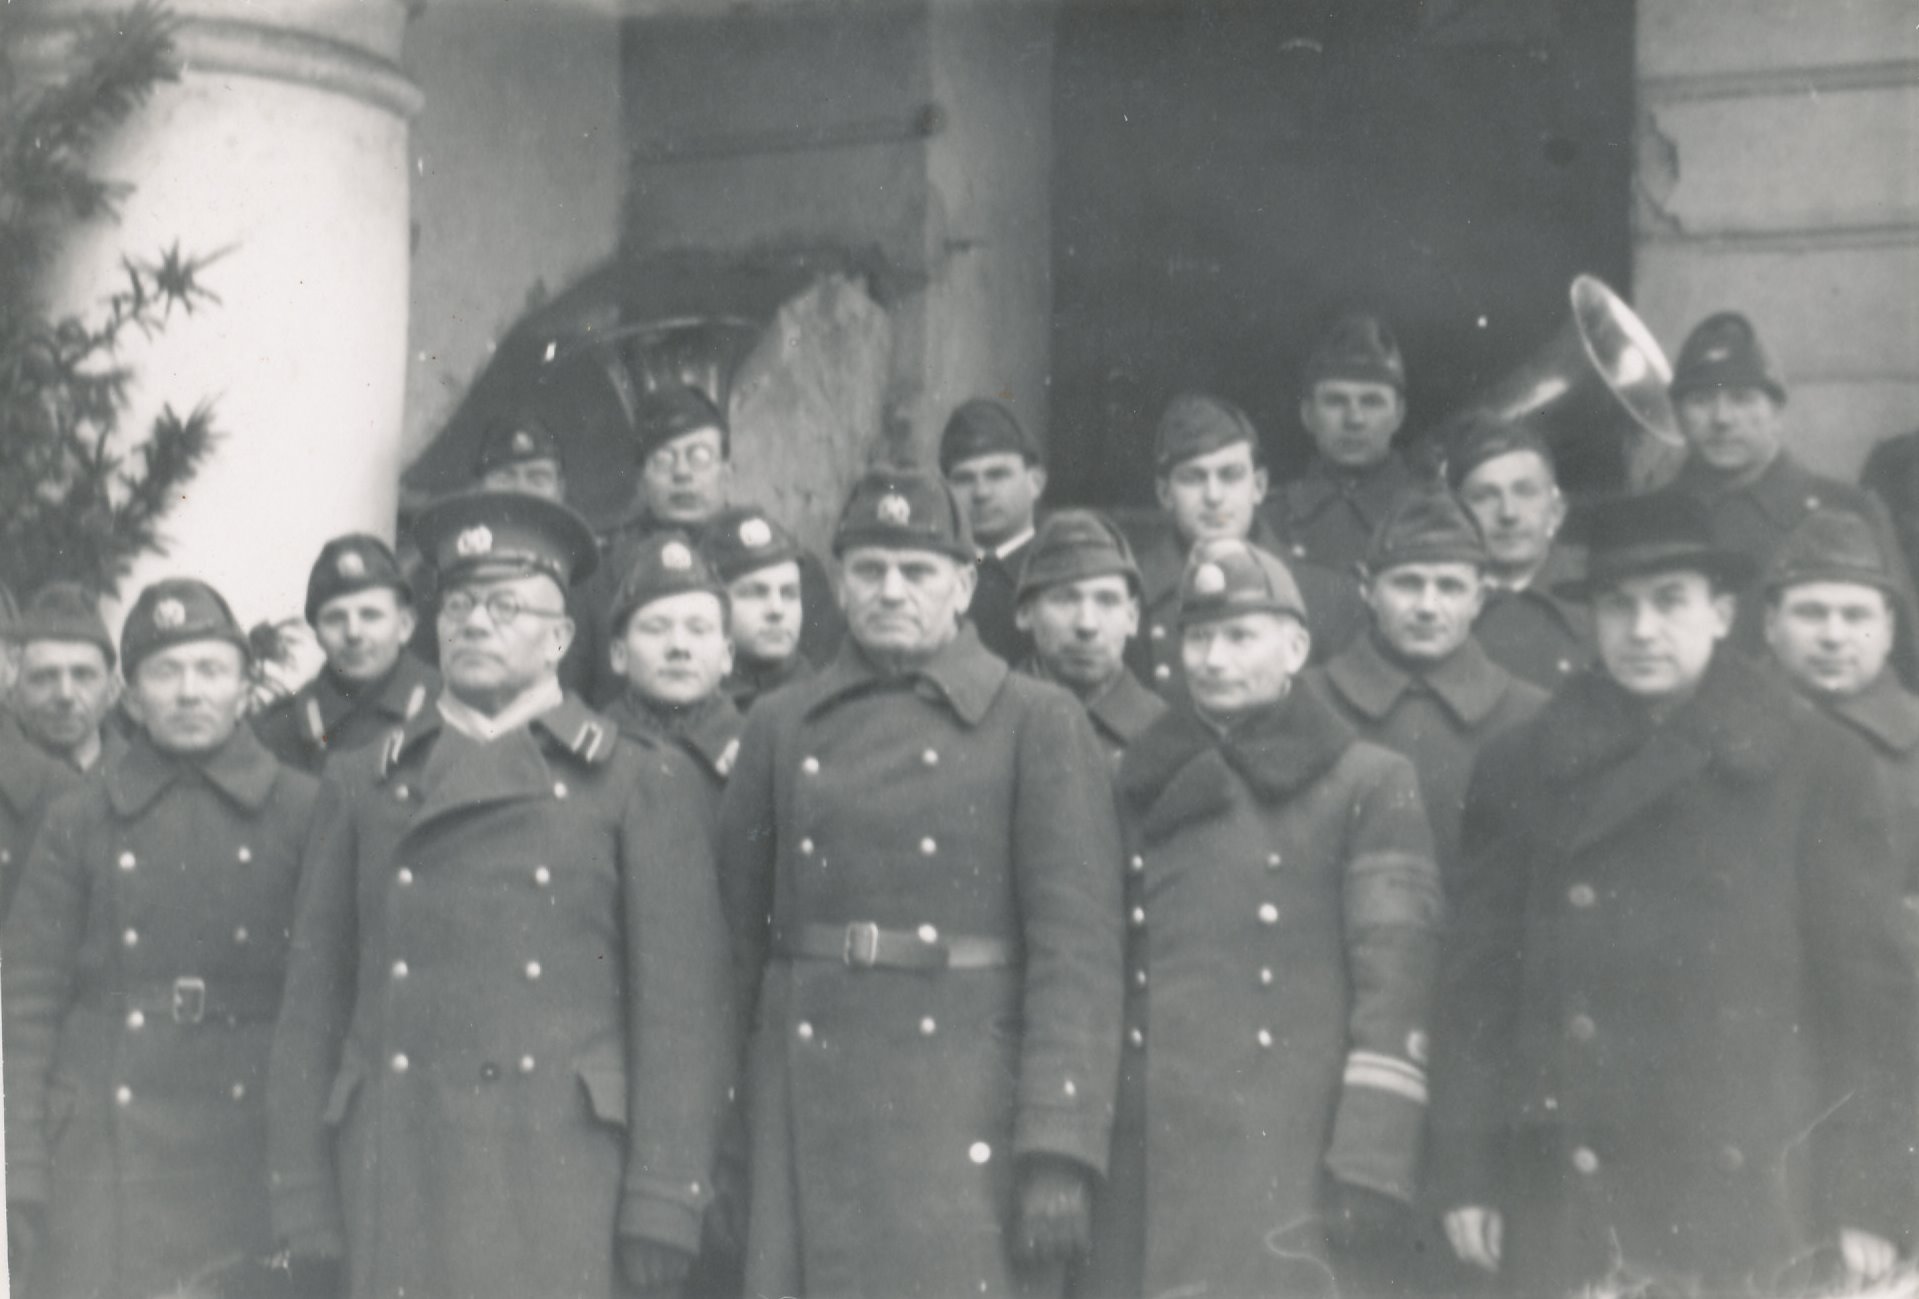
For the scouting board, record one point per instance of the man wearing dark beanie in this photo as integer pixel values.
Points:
(66, 683)
(997, 474)
(29, 779)
(759, 561)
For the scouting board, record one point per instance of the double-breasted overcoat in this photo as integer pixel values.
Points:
(144, 962)
(1328, 514)
(1676, 1031)
(964, 805)
(507, 1039)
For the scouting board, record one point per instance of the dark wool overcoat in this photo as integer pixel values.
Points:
(1284, 912)
(1535, 633)
(322, 718)
(1327, 515)
(144, 961)
(507, 1038)
(30, 779)
(890, 1107)
(1677, 1022)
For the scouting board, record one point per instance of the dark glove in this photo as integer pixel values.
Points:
(1358, 1217)
(26, 1233)
(649, 1265)
(1055, 1211)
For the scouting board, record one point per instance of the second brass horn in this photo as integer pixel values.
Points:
(1596, 392)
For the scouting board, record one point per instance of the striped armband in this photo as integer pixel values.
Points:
(1387, 1074)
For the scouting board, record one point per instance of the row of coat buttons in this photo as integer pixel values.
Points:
(1268, 913)
(542, 877)
(810, 765)
(241, 937)
(532, 970)
(928, 846)
(489, 1072)
(1137, 864)
(123, 1095)
(128, 861)
(1728, 1159)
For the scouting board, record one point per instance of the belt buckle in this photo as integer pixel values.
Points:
(862, 947)
(189, 1000)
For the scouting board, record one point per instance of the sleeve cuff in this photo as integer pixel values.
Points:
(1068, 1133)
(645, 1215)
(1379, 1125)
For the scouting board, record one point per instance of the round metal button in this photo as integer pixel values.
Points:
(928, 847)
(979, 1152)
(805, 1031)
(1162, 673)
(810, 765)
(238, 1091)
(533, 970)
(806, 847)
(245, 855)
(400, 1063)
(1136, 1036)
(130, 939)
(241, 937)
(928, 1027)
(1139, 978)
(404, 877)
(930, 758)
(542, 876)
(1582, 896)
(1582, 1028)
(1137, 918)
(1265, 1037)
(399, 970)
(526, 1064)
(1137, 864)
(1272, 861)
(1585, 1160)
(559, 789)
(928, 934)
(1564, 665)
(1268, 914)
(1159, 631)
(136, 1019)
(127, 862)
(123, 1095)
(1265, 976)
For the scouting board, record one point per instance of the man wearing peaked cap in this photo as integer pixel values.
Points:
(1284, 914)
(508, 923)
(1832, 620)
(146, 952)
(66, 684)
(1731, 400)
(1506, 478)
(684, 446)
(918, 848)
(996, 470)
(29, 779)
(1352, 403)
(760, 563)
(1211, 478)
(1675, 870)
(360, 606)
(1419, 682)
(669, 626)
(1079, 601)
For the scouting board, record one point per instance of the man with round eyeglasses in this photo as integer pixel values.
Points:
(508, 1038)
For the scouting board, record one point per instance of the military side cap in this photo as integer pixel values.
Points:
(9, 614)
(903, 508)
(666, 563)
(1225, 577)
(507, 533)
(174, 612)
(1724, 351)
(1360, 348)
(1197, 424)
(1660, 532)
(1481, 437)
(1073, 545)
(1427, 525)
(65, 611)
(983, 427)
(355, 562)
(672, 412)
(745, 539)
(514, 442)
(1830, 546)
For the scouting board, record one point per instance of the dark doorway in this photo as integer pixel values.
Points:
(1231, 176)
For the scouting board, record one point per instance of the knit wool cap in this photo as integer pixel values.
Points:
(1225, 577)
(903, 508)
(1724, 351)
(1427, 525)
(1830, 546)
(983, 427)
(745, 539)
(355, 562)
(1360, 348)
(1196, 424)
(66, 611)
(173, 612)
(667, 563)
(515, 442)
(1073, 545)
(665, 414)
(1481, 437)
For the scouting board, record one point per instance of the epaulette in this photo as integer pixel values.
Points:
(415, 701)
(390, 751)
(724, 763)
(593, 742)
(316, 724)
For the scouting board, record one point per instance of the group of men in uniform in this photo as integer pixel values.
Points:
(1361, 891)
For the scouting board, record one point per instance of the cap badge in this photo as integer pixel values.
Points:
(1716, 354)
(522, 443)
(168, 614)
(893, 509)
(1209, 579)
(754, 533)
(476, 540)
(675, 556)
(350, 566)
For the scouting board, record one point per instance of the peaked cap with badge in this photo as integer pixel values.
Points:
(172, 612)
(1358, 347)
(1198, 424)
(1427, 526)
(515, 442)
(745, 539)
(1225, 578)
(66, 611)
(903, 508)
(505, 533)
(1072, 545)
(984, 427)
(665, 563)
(355, 562)
(1660, 532)
(1724, 351)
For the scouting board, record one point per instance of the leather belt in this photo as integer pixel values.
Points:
(864, 945)
(190, 1000)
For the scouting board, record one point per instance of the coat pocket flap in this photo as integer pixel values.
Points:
(345, 1083)
(605, 1094)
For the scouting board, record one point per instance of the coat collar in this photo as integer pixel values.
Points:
(964, 673)
(1121, 712)
(1785, 492)
(1182, 770)
(407, 689)
(1371, 492)
(242, 770)
(711, 729)
(570, 727)
(746, 683)
(24, 768)
(1885, 712)
(1468, 683)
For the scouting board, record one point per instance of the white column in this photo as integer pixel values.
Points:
(282, 148)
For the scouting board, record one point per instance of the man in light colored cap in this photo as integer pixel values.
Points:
(1419, 682)
(1352, 402)
(1284, 912)
(919, 846)
(360, 607)
(29, 778)
(146, 954)
(759, 561)
(1079, 602)
(997, 473)
(1505, 476)
(509, 925)
(1676, 871)
(66, 685)
(1211, 478)
(1731, 400)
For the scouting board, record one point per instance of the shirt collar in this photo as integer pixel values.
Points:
(242, 770)
(1008, 548)
(964, 673)
(475, 725)
(1468, 683)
